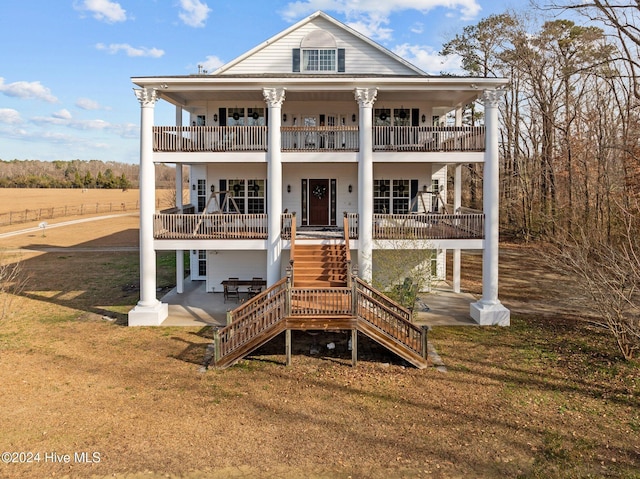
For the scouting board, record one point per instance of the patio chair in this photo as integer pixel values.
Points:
(255, 287)
(231, 290)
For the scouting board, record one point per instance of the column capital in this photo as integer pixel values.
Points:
(492, 97)
(273, 97)
(366, 97)
(146, 96)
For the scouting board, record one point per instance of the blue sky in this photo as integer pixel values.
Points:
(66, 65)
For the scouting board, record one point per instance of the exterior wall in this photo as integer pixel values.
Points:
(296, 110)
(440, 174)
(222, 265)
(345, 175)
(361, 57)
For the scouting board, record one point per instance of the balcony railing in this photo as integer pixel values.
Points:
(428, 138)
(322, 138)
(255, 226)
(209, 138)
(210, 226)
(319, 138)
(428, 226)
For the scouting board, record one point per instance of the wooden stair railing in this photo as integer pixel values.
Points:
(252, 324)
(347, 247)
(388, 323)
(354, 305)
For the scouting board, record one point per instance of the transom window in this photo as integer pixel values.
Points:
(319, 60)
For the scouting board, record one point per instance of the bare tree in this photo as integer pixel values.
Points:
(622, 20)
(12, 282)
(607, 274)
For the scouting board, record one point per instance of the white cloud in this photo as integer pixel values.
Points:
(62, 120)
(10, 116)
(372, 29)
(63, 114)
(212, 63)
(103, 10)
(28, 90)
(87, 104)
(369, 16)
(194, 12)
(130, 51)
(428, 59)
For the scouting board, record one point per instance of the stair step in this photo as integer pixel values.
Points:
(304, 283)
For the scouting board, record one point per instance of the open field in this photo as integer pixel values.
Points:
(548, 397)
(32, 198)
(20, 206)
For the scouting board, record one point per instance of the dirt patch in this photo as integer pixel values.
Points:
(546, 397)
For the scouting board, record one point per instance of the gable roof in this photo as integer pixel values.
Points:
(319, 14)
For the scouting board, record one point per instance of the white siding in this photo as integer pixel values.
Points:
(240, 264)
(440, 173)
(344, 175)
(360, 56)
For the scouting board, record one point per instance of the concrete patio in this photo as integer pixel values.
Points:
(197, 308)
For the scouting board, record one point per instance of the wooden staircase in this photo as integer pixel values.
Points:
(320, 266)
(320, 293)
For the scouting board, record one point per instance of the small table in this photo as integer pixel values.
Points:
(243, 282)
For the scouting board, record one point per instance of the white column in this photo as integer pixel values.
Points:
(458, 119)
(149, 311)
(179, 253)
(489, 310)
(457, 203)
(365, 98)
(179, 126)
(274, 98)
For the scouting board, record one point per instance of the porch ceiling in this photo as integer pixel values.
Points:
(446, 98)
(438, 92)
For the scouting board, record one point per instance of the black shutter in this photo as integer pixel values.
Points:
(341, 67)
(223, 187)
(413, 192)
(415, 117)
(296, 60)
(222, 116)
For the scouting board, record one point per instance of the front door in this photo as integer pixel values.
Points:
(319, 202)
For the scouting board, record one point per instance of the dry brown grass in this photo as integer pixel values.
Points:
(12, 199)
(545, 398)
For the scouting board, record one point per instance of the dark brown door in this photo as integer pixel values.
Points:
(319, 202)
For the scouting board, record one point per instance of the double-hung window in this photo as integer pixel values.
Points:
(248, 196)
(319, 60)
(391, 196)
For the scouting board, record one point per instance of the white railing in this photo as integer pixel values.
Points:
(322, 138)
(319, 138)
(209, 138)
(427, 138)
(428, 226)
(352, 224)
(210, 226)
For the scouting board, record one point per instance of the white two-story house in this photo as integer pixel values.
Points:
(321, 127)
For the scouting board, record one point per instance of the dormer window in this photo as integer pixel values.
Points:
(318, 53)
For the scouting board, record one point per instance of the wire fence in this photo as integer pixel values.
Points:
(47, 213)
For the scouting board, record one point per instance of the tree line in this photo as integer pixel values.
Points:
(77, 174)
(570, 144)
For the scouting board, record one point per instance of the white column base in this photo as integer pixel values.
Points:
(490, 314)
(148, 315)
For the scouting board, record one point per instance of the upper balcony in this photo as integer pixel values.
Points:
(211, 139)
(412, 227)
